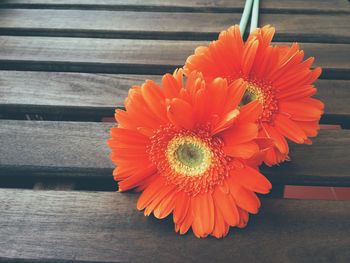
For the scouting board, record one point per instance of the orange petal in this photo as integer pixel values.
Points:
(227, 207)
(178, 75)
(311, 128)
(225, 122)
(181, 206)
(296, 93)
(252, 180)
(122, 172)
(243, 218)
(165, 191)
(243, 150)
(314, 102)
(128, 156)
(240, 133)
(250, 112)
(145, 183)
(217, 93)
(224, 187)
(166, 206)
(136, 149)
(150, 193)
(244, 198)
(194, 82)
(128, 135)
(220, 228)
(203, 212)
(170, 86)
(124, 120)
(136, 178)
(264, 143)
(300, 111)
(188, 220)
(274, 156)
(154, 99)
(201, 106)
(289, 129)
(180, 113)
(315, 74)
(249, 53)
(235, 93)
(277, 138)
(134, 104)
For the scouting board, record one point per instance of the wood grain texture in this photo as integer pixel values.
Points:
(100, 94)
(314, 6)
(59, 148)
(52, 185)
(133, 56)
(78, 149)
(105, 227)
(67, 89)
(167, 25)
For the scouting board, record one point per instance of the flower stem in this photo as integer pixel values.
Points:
(255, 16)
(245, 15)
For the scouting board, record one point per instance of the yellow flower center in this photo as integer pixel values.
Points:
(189, 155)
(265, 94)
(192, 160)
(252, 93)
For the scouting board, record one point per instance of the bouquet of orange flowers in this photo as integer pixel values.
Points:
(193, 144)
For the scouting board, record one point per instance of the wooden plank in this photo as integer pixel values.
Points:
(314, 6)
(50, 226)
(133, 56)
(59, 148)
(167, 25)
(67, 89)
(99, 94)
(78, 149)
(52, 185)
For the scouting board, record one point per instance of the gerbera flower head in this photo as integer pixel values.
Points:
(276, 77)
(191, 152)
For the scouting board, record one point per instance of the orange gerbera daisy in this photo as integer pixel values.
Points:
(190, 150)
(276, 77)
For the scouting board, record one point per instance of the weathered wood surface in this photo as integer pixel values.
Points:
(78, 149)
(68, 89)
(168, 25)
(99, 94)
(133, 56)
(290, 6)
(54, 148)
(68, 226)
(105, 227)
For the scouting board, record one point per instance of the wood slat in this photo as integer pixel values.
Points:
(50, 226)
(314, 6)
(78, 149)
(55, 148)
(167, 25)
(67, 89)
(133, 56)
(99, 94)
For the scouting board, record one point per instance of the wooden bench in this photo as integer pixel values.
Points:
(66, 64)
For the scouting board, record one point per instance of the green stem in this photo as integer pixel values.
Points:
(255, 16)
(245, 16)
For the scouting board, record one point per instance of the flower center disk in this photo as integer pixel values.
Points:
(253, 93)
(194, 161)
(188, 155)
(265, 94)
